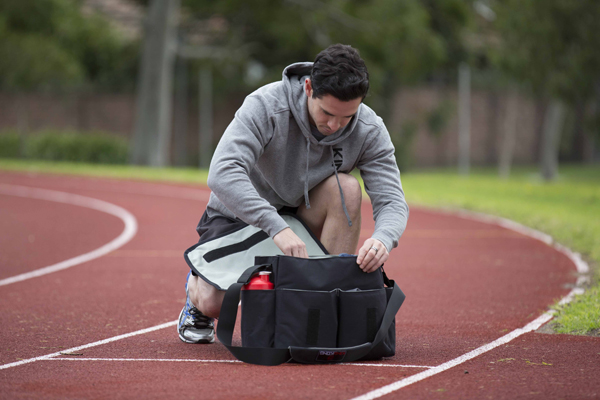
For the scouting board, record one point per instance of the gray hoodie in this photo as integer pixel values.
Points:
(268, 158)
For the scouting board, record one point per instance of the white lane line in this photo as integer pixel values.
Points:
(87, 346)
(355, 364)
(68, 198)
(210, 361)
(139, 359)
(581, 266)
(459, 360)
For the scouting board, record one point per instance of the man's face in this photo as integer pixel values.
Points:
(328, 113)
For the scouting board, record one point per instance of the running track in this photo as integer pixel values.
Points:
(468, 283)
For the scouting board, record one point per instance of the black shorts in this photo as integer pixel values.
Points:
(220, 225)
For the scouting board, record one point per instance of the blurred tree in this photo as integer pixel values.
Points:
(402, 41)
(551, 45)
(49, 44)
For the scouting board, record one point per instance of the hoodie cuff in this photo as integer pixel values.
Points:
(389, 244)
(272, 223)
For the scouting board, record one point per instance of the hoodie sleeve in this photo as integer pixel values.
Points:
(242, 143)
(379, 171)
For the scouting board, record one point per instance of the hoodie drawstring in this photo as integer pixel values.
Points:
(306, 175)
(306, 200)
(340, 187)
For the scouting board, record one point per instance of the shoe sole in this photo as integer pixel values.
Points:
(183, 339)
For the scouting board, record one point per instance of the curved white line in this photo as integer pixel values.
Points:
(580, 264)
(68, 198)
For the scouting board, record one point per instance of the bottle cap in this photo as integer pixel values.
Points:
(264, 273)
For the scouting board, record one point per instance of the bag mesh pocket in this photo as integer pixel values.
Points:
(305, 318)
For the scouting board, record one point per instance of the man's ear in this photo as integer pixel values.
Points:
(308, 87)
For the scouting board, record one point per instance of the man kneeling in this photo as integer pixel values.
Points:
(291, 147)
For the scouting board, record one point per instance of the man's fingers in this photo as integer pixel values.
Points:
(290, 244)
(368, 260)
(301, 253)
(364, 252)
(299, 250)
(372, 255)
(304, 252)
(372, 265)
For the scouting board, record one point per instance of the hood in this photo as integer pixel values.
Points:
(293, 82)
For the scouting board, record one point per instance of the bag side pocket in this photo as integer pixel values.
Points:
(361, 313)
(387, 347)
(258, 318)
(305, 318)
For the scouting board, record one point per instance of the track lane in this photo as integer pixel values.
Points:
(431, 328)
(53, 196)
(29, 243)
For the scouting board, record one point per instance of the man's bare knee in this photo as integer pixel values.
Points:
(352, 193)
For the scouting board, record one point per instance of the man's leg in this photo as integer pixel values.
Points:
(205, 297)
(326, 217)
(194, 326)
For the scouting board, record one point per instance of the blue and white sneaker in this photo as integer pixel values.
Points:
(193, 326)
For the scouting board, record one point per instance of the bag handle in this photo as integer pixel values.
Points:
(309, 355)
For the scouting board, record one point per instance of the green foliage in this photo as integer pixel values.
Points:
(401, 41)
(551, 45)
(10, 144)
(403, 141)
(49, 44)
(77, 147)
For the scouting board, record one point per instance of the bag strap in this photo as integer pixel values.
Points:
(309, 355)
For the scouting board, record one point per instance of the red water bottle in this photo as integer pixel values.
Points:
(259, 282)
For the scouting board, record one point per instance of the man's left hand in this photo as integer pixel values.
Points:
(372, 255)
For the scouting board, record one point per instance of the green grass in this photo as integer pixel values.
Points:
(181, 175)
(582, 315)
(568, 209)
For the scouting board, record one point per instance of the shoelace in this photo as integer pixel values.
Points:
(198, 319)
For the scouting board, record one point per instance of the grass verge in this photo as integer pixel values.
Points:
(567, 209)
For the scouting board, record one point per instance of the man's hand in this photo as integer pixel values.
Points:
(372, 255)
(290, 244)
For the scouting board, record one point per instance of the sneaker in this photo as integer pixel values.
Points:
(193, 326)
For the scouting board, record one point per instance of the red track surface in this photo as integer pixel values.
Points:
(467, 284)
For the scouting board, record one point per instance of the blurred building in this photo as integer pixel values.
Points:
(125, 15)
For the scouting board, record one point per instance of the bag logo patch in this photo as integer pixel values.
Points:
(326, 355)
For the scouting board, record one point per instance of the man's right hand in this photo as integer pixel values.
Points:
(290, 244)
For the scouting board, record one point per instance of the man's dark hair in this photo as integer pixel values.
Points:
(339, 71)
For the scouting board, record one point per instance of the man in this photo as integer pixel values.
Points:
(291, 145)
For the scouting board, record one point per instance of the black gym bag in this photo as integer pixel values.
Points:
(322, 310)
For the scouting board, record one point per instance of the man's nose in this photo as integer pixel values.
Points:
(333, 124)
